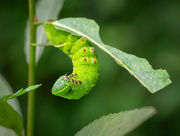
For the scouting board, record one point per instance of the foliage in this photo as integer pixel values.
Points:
(10, 118)
(18, 93)
(145, 29)
(117, 124)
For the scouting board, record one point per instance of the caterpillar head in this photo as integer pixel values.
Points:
(61, 87)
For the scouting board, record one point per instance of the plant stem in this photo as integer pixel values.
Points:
(32, 71)
(40, 23)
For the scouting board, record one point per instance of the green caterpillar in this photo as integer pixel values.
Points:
(85, 63)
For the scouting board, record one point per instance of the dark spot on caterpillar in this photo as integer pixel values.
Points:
(84, 49)
(68, 50)
(60, 44)
(72, 80)
(50, 20)
(52, 40)
(82, 39)
(66, 78)
(71, 75)
(93, 49)
(69, 90)
(72, 54)
(75, 74)
(72, 35)
(74, 60)
(80, 81)
(87, 91)
(76, 82)
(94, 61)
(85, 59)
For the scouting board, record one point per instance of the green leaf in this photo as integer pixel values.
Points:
(153, 80)
(18, 93)
(45, 10)
(5, 89)
(117, 124)
(9, 118)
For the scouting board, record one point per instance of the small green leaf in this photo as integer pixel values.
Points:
(45, 10)
(117, 124)
(153, 80)
(9, 118)
(30, 88)
(18, 93)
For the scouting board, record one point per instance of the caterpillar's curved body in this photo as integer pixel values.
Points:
(84, 59)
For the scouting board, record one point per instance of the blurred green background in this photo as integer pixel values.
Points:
(148, 29)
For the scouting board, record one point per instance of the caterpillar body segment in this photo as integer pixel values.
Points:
(85, 64)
